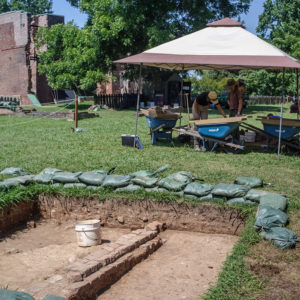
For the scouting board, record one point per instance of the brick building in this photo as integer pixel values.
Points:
(18, 61)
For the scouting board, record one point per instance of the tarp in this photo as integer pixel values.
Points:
(223, 44)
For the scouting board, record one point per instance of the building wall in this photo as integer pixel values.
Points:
(18, 63)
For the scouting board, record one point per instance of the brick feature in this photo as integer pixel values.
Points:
(109, 253)
(95, 283)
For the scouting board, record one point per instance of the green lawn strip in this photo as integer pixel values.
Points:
(235, 281)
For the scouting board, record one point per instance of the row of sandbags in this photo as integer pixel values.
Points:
(184, 184)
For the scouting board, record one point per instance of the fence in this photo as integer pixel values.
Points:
(264, 100)
(118, 101)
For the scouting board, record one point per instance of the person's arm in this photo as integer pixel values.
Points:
(240, 107)
(220, 110)
(196, 111)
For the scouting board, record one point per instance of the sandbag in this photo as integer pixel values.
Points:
(268, 217)
(116, 181)
(13, 172)
(26, 179)
(94, 187)
(14, 295)
(52, 297)
(255, 195)
(177, 181)
(198, 189)
(100, 172)
(230, 190)
(211, 197)
(92, 178)
(156, 189)
(249, 181)
(145, 181)
(46, 176)
(149, 173)
(74, 185)
(276, 201)
(192, 197)
(56, 185)
(236, 200)
(129, 188)
(282, 238)
(67, 177)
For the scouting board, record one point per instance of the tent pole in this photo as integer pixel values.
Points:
(181, 98)
(297, 92)
(137, 105)
(281, 112)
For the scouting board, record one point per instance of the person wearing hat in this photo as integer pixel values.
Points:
(201, 105)
(235, 97)
(200, 110)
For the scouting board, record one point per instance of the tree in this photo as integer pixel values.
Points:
(279, 25)
(129, 27)
(34, 7)
(71, 58)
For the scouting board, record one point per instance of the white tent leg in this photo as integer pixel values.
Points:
(137, 105)
(281, 113)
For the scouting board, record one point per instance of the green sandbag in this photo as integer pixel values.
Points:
(230, 190)
(268, 217)
(211, 197)
(100, 172)
(129, 188)
(2, 186)
(198, 189)
(52, 297)
(276, 201)
(236, 200)
(74, 185)
(149, 173)
(145, 181)
(94, 187)
(67, 177)
(13, 172)
(26, 179)
(282, 238)
(249, 181)
(46, 176)
(192, 197)
(14, 295)
(116, 181)
(92, 178)
(177, 181)
(255, 195)
(157, 190)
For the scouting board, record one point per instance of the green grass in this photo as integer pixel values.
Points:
(36, 143)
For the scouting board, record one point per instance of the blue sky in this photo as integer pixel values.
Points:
(63, 8)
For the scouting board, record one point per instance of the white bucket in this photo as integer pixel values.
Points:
(88, 233)
(250, 137)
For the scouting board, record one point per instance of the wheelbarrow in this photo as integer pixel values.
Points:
(160, 128)
(290, 128)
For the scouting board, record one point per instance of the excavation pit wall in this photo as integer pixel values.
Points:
(187, 224)
(135, 214)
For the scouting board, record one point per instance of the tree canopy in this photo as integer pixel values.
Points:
(71, 59)
(34, 7)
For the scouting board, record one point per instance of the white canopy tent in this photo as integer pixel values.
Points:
(223, 44)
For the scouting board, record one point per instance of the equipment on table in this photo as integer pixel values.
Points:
(290, 129)
(161, 122)
(215, 130)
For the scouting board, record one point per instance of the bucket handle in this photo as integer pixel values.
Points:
(89, 237)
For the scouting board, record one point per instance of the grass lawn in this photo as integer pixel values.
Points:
(36, 143)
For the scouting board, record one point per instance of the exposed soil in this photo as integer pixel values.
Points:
(278, 270)
(201, 217)
(33, 255)
(183, 268)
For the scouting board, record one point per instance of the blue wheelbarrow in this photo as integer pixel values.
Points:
(218, 131)
(289, 130)
(160, 128)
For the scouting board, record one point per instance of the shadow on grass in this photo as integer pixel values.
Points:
(252, 109)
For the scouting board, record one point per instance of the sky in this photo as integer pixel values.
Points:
(63, 8)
